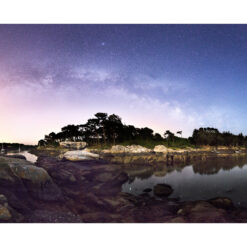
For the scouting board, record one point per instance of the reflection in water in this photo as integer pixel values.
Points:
(222, 176)
(29, 157)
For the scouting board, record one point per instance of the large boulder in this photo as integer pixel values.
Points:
(73, 145)
(138, 149)
(79, 155)
(23, 177)
(129, 149)
(160, 149)
(162, 190)
(117, 149)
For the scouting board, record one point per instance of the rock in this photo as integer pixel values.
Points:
(118, 149)
(72, 178)
(4, 213)
(135, 159)
(121, 178)
(147, 190)
(26, 178)
(3, 200)
(104, 177)
(79, 155)
(73, 145)
(162, 190)
(138, 149)
(160, 149)
(63, 175)
(129, 149)
(205, 212)
(37, 181)
(222, 202)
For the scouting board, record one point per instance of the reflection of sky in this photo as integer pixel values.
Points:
(162, 76)
(188, 185)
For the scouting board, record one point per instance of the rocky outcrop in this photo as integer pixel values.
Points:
(136, 159)
(25, 178)
(79, 155)
(73, 145)
(131, 149)
(162, 190)
(92, 193)
(160, 149)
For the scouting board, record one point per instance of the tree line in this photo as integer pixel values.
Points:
(213, 137)
(104, 129)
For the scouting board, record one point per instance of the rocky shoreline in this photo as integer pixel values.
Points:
(138, 155)
(55, 190)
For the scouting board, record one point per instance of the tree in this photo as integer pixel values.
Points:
(102, 118)
(169, 136)
(114, 127)
(180, 132)
(158, 137)
(110, 129)
(91, 129)
(71, 132)
(41, 143)
(146, 133)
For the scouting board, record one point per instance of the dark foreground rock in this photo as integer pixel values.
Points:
(21, 175)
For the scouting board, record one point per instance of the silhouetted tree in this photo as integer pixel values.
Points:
(102, 118)
(110, 129)
(113, 127)
(169, 136)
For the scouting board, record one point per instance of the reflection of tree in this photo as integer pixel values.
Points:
(212, 165)
(159, 171)
(207, 166)
(140, 172)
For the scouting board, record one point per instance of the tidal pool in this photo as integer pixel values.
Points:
(29, 157)
(225, 177)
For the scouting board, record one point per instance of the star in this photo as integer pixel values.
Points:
(103, 43)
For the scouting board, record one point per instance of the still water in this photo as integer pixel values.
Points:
(220, 177)
(29, 157)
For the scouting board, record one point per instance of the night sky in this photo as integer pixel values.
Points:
(176, 77)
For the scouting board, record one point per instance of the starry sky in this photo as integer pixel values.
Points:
(176, 77)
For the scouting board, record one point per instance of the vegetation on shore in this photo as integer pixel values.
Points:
(14, 146)
(105, 130)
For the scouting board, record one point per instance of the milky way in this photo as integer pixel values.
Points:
(176, 77)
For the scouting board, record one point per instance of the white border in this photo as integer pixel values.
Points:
(123, 11)
(122, 235)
